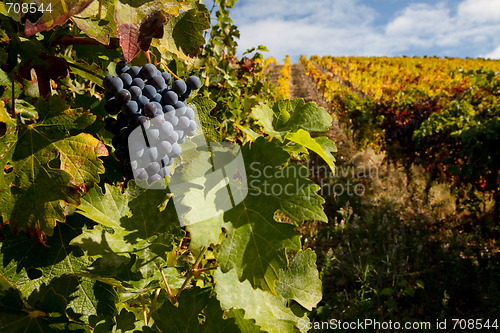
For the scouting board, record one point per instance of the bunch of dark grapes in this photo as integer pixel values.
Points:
(147, 98)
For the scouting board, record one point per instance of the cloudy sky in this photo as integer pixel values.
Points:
(459, 28)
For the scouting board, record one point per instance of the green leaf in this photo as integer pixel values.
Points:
(49, 167)
(210, 125)
(61, 11)
(101, 29)
(106, 208)
(299, 115)
(33, 268)
(322, 146)
(185, 317)
(269, 311)
(132, 237)
(300, 282)
(184, 33)
(256, 243)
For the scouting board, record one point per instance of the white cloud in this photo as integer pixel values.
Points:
(346, 27)
(495, 54)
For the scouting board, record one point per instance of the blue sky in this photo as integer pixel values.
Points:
(460, 28)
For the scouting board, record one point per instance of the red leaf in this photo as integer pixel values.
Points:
(61, 12)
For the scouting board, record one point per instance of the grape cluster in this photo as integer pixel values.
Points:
(152, 118)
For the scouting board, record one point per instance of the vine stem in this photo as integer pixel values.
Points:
(169, 291)
(70, 64)
(153, 304)
(171, 73)
(100, 10)
(144, 310)
(191, 272)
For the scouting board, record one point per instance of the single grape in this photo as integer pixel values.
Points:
(164, 148)
(166, 130)
(123, 96)
(138, 82)
(154, 178)
(112, 83)
(157, 98)
(189, 113)
(158, 105)
(168, 109)
(192, 125)
(135, 92)
(149, 110)
(153, 134)
(193, 82)
(158, 82)
(176, 150)
(141, 173)
(174, 120)
(139, 119)
(142, 101)
(187, 94)
(183, 122)
(112, 106)
(126, 79)
(164, 172)
(158, 117)
(179, 87)
(153, 153)
(149, 91)
(167, 77)
(180, 111)
(122, 67)
(130, 108)
(180, 134)
(170, 97)
(153, 168)
(148, 71)
(173, 137)
(134, 71)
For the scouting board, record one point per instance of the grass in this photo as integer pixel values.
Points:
(398, 253)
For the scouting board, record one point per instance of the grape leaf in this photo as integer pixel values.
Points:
(141, 235)
(29, 266)
(185, 316)
(301, 115)
(138, 25)
(48, 167)
(275, 316)
(322, 146)
(62, 10)
(184, 33)
(101, 29)
(300, 281)
(209, 124)
(256, 243)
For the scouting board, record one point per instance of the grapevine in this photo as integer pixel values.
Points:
(96, 99)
